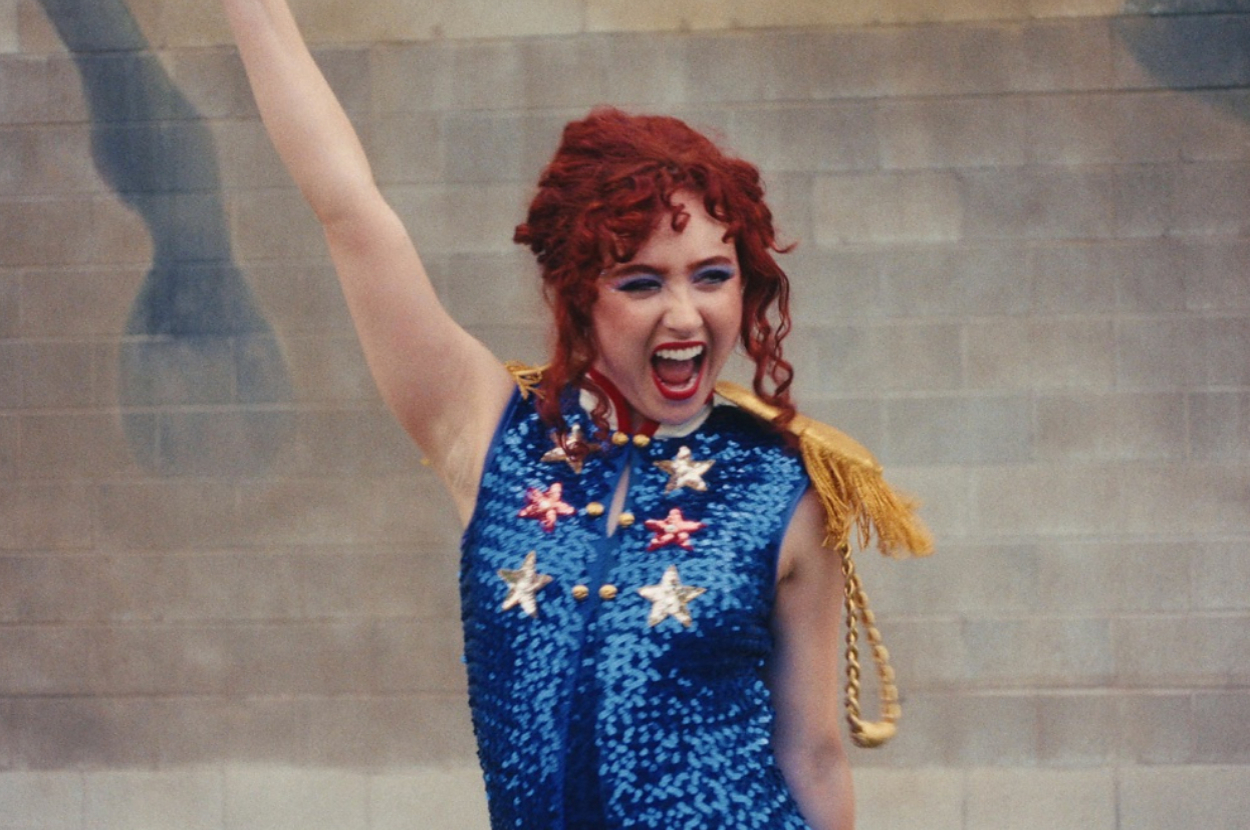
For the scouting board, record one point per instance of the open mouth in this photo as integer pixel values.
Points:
(677, 369)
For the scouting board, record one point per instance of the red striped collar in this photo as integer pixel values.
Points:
(621, 414)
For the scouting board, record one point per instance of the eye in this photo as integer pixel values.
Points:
(714, 276)
(638, 284)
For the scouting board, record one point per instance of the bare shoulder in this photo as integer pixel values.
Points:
(809, 594)
(802, 549)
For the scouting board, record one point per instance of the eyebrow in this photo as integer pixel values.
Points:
(630, 269)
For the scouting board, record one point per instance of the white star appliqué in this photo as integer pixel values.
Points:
(684, 471)
(670, 598)
(523, 584)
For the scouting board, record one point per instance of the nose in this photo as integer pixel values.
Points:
(682, 315)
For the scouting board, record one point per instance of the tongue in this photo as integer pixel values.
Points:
(674, 372)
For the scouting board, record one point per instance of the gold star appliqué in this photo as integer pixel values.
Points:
(670, 598)
(575, 439)
(684, 471)
(523, 584)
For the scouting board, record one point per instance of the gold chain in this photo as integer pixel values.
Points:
(866, 733)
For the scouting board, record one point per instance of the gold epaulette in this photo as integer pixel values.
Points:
(527, 377)
(849, 482)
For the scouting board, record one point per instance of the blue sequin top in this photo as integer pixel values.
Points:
(619, 681)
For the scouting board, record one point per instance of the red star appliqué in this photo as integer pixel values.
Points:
(674, 529)
(547, 507)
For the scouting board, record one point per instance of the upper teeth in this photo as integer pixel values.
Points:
(687, 353)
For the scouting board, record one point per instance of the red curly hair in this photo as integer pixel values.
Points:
(611, 182)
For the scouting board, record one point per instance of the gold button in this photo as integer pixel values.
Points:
(625, 519)
(620, 439)
(642, 441)
(580, 592)
(607, 592)
(594, 509)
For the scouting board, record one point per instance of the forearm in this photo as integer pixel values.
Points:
(309, 128)
(445, 387)
(808, 734)
(820, 780)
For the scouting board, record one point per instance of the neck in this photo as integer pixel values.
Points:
(627, 420)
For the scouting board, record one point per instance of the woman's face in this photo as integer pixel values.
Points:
(666, 322)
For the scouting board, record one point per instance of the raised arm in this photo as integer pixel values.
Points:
(804, 677)
(444, 386)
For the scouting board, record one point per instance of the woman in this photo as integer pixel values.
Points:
(650, 616)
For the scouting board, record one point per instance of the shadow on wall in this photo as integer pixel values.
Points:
(202, 375)
(1196, 52)
(201, 370)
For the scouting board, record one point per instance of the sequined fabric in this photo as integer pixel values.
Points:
(633, 696)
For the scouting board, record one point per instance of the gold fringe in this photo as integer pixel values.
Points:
(527, 377)
(849, 483)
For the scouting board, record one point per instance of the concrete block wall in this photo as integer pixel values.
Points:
(227, 584)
